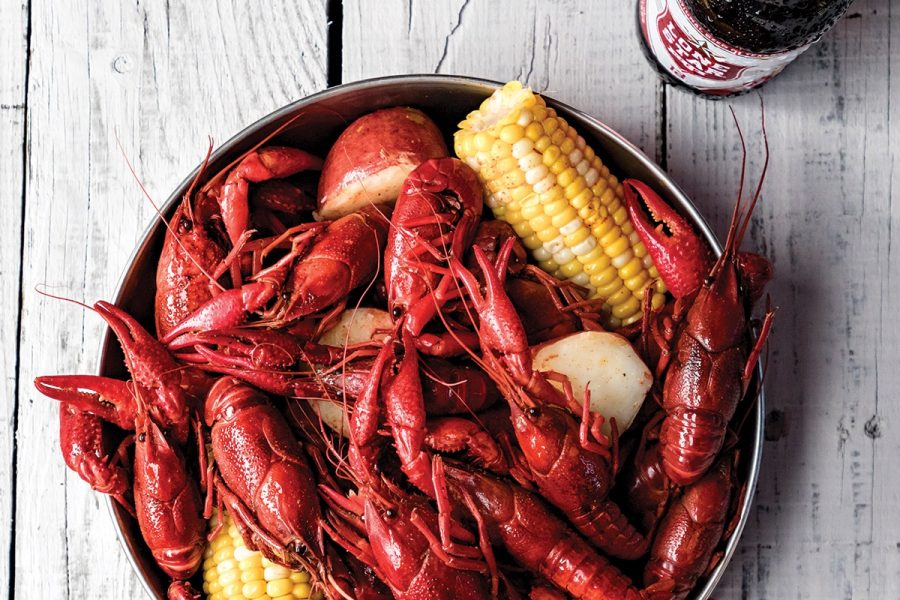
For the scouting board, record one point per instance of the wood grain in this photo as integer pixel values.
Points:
(824, 523)
(530, 40)
(14, 48)
(147, 82)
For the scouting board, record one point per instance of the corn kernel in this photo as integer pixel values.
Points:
(225, 565)
(622, 295)
(571, 269)
(251, 562)
(612, 287)
(279, 587)
(252, 574)
(534, 131)
(254, 589)
(549, 266)
(300, 576)
(512, 133)
(483, 142)
(617, 247)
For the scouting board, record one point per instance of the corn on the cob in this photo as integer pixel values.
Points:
(232, 572)
(544, 180)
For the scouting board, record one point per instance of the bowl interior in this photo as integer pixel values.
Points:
(313, 124)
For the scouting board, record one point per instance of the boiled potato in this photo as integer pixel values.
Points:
(333, 415)
(357, 325)
(353, 326)
(618, 379)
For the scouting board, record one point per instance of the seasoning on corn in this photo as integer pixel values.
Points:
(544, 180)
(232, 572)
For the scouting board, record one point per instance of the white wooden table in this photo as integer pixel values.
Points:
(158, 77)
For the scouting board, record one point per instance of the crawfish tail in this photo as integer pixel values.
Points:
(690, 532)
(537, 539)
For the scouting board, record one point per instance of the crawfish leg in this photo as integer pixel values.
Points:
(758, 346)
(363, 450)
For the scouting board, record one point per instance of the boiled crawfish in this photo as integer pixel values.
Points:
(536, 538)
(263, 475)
(571, 464)
(711, 366)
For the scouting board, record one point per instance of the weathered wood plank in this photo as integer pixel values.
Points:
(159, 78)
(584, 53)
(14, 49)
(824, 525)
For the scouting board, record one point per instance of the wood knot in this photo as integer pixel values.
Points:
(872, 427)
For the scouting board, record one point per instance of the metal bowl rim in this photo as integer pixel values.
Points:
(487, 86)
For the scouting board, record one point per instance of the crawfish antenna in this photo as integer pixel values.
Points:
(736, 214)
(185, 200)
(39, 290)
(762, 175)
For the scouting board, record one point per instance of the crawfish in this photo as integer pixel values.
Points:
(166, 501)
(394, 536)
(501, 333)
(535, 537)
(259, 165)
(333, 260)
(393, 532)
(710, 366)
(543, 318)
(570, 463)
(263, 475)
(483, 438)
(434, 221)
(645, 487)
(689, 533)
(192, 250)
(171, 390)
(447, 389)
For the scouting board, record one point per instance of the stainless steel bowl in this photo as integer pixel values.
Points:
(317, 121)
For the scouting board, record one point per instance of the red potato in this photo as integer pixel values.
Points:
(372, 157)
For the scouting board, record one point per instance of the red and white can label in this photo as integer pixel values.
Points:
(691, 54)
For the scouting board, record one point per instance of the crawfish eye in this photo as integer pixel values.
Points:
(534, 412)
(396, 312)
(390, 513)
(142, 437)
(185, 224)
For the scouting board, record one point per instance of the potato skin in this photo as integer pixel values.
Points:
(372, 157)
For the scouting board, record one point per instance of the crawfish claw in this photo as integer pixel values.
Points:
(680, 256)
(110, 399)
